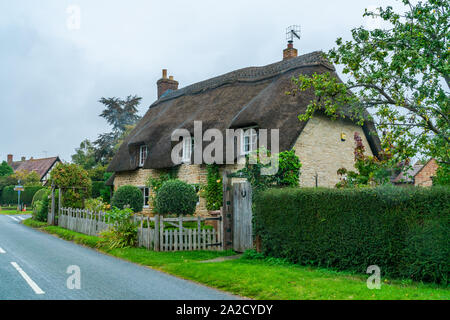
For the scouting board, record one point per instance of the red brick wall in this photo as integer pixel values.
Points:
(423, 178)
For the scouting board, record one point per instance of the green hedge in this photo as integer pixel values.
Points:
(405, 231)
(99, 189)
(176, 197)
(9, 196)
(128, 196)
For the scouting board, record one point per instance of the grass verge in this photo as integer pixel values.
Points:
(13, 211)
(259, 278)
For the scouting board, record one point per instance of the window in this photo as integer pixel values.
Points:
(146, 195)
(142, 155)
(188, 146)
(249, 140)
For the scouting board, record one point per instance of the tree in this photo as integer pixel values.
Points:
(5, 169)
(74, 181)
(120, 114)
(371, 171)
(26, 177)
(85, 155)
(400, 73)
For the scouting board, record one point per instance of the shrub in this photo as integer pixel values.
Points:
(96, 204)
(40, 210)
(39, 195)
(287, 175)
(405, 231)
(176, 197)
(128, 196)
(74, 182)
(122, 232)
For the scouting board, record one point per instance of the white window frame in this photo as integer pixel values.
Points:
(250, 132)
(188, 147)
(142, 158)
(145, 189)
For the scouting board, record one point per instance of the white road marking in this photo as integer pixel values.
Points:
(2, 251)
(30, 282)
(14, 218)
(21, 218)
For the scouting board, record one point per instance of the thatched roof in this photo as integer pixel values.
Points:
(40, 166)
(249, 96)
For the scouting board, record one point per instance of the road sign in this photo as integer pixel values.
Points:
(19, 188)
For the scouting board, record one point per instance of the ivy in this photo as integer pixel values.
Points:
(288, 173)
(213, 191)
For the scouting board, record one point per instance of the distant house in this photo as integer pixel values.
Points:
(420, 174)
(41, 166)
(250, 98)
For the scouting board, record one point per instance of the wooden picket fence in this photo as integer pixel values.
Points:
(153, 234)
(152, 231)
(83, 221)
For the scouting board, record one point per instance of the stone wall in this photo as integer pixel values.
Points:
(319, 148)
(192, 174)
(322, 152)
(424, 177)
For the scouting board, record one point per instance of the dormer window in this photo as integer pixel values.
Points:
(188, 147)
(249, 140)
(142, 155)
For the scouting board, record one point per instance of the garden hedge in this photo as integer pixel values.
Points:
(405, 231)
(9, 196)
(176, 197)
(128, 196)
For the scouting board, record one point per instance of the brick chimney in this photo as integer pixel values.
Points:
(165, 83)
(290, 51)
(10, 159)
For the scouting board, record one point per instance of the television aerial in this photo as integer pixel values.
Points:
(293, 32)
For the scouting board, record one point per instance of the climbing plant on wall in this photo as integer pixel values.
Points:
(213, 188)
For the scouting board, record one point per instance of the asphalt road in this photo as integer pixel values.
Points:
(34, 265)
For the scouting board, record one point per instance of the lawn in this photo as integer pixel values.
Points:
(13, 211)
(259, 278)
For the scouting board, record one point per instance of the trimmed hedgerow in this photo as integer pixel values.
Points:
(176, 197)
(405, 231)
(9, 196)
(128, 196)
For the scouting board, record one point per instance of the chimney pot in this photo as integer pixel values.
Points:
(10, 159)
(165, 84)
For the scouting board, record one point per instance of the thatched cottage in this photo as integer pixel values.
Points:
(253, 97)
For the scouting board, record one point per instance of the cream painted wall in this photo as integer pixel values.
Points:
(321, 150)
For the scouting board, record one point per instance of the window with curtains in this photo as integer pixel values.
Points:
(249, 140)
(188, 148)
(146, 195)
(142, 155)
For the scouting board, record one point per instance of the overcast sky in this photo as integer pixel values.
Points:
(53, 70)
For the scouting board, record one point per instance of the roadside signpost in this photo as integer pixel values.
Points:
(19, 188)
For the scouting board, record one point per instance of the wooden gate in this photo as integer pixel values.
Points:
(242, 216)
(238, 209)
